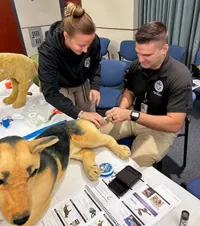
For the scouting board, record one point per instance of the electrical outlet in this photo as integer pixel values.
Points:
(36, 37)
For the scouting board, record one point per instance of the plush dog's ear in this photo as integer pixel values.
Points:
(39, 144)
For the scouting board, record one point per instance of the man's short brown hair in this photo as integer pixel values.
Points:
(152, 31)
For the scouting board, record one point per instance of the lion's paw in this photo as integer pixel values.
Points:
(93, 172)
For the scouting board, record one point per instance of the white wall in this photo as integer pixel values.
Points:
(40, 13)
(113, 14)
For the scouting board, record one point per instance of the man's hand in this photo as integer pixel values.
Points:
(94, 96)
(94, 117)
(117, 114)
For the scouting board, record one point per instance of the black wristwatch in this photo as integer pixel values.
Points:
(135, 115)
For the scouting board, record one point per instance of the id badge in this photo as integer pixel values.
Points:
(144, 108)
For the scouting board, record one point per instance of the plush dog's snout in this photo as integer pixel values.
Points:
(22, 220)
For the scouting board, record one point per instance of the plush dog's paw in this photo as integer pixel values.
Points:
(93, 171)
(124, 152)
(18, 104)
(8, 100)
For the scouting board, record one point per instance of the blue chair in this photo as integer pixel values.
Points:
(46, 34)
(194, 96)
(197, 59)
(196, 71)
(177, 52)
(127, 141)
(127, 52)
(111, 84)
(194, 187)
(104, 46)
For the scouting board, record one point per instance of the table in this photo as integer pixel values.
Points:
(35, 103)
(76, 174)
(151, 175)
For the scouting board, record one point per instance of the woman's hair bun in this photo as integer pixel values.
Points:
(73, 10)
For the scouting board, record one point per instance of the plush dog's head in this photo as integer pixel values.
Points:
(19, 163)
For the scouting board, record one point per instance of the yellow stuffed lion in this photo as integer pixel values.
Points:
(21, 70)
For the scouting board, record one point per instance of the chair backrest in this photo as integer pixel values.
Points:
(112, 72)
(127, 50)
(104, 45)
(177, 52)
(194, 97)
(46, 34)
(197, 59)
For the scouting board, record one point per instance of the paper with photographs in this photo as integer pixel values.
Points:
(141, 205)
(80, 209)
(97, 205)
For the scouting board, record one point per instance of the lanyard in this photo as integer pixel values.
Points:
(145, 98)
(149, 86)
(148, 91)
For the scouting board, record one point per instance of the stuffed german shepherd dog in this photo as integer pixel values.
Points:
(29, 170)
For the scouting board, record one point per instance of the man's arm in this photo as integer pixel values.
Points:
(172, 122)
(127, 99)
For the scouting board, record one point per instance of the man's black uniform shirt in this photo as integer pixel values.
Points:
(167, 89)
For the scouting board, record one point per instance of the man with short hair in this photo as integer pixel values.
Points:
(159, 89)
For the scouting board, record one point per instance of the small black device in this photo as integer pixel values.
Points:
(135, 115)
(124, 180)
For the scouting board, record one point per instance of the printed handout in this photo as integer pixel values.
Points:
(97, 205)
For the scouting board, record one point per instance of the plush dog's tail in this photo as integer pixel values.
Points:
(35, 65)
(36, 79)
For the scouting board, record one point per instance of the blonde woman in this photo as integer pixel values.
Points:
(69, 65)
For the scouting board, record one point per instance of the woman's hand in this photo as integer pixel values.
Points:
(94, 96)
(94, 117)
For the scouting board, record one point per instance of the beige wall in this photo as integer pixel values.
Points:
(113, 14)
(105, 13)
(40, 13)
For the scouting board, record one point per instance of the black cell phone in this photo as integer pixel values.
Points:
(129, 176)
(118, 187)
(124, 180)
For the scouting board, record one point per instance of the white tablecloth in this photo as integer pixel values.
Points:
(75, 178)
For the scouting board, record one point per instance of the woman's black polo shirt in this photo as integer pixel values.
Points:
(167, 89)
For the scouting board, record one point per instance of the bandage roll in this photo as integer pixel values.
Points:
(33, 117)
(31, 108)
(41, 118)
(17, 116)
